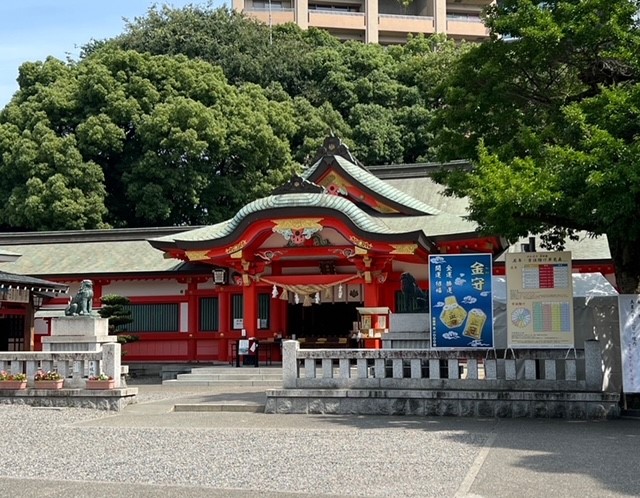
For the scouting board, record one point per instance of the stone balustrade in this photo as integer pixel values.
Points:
(75, 367)
(552, 382)
(442, 369)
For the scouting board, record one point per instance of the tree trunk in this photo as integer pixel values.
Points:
(626, 257)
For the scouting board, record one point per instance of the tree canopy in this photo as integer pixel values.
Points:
(129, 139)
(548, 112)
(380, 92)
(191, 113)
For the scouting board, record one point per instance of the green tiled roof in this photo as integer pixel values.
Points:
(442, 224)
(89, 258)
(426, 190)
(361, 219)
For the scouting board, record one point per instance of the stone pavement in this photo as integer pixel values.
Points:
(329, 456)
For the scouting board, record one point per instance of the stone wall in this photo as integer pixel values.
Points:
(112, 399)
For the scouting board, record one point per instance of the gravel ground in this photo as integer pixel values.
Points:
(148, 450)
(278, 453)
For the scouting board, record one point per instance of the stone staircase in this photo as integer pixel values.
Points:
(229, 376)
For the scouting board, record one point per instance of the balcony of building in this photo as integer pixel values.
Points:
(335, 19)
(391, 25)
(466, 26)
(396, 21)
(270, 12)
(344, 15)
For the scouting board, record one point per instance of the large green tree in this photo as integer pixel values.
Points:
(193, 112)
(129, 139)
(381, 93)
(548, 111)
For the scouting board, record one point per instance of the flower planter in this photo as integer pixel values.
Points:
(13, 384)
(101, 384)
(49, 384)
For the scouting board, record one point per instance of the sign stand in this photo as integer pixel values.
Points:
(506, 351)
(488, 354)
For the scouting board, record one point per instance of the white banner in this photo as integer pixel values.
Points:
(629, 309)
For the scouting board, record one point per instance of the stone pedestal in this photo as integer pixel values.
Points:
(408, 331)
(78, 333)
(84, 333)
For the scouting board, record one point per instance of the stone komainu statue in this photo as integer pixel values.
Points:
(414, 298)
(82, 301)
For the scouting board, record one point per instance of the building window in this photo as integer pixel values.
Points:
(153, 318)
(209, 315)
(264, 310)
(334, 8)
(237, 311)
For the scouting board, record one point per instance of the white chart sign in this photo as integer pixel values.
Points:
(539, 300)
(629, 309)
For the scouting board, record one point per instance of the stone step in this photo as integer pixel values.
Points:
(230, 376)
(233, 370)
(220, 407)
(212, 383)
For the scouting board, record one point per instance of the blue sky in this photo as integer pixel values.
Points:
(31, 30)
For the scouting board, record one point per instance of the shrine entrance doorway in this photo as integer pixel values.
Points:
(12, 333)
(328, 320)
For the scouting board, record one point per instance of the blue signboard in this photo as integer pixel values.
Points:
(461, 302)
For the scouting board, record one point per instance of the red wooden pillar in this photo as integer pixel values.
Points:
(372, 294)
(98, 289)
(250, 311)
(192, 320)
(224, 324)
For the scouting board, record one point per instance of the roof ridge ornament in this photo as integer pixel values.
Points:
(298, 185)
(333, 146)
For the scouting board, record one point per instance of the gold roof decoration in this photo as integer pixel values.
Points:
(404, 248)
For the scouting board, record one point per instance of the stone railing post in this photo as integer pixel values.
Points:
(111, 361)
(593, 365)
(290, 364)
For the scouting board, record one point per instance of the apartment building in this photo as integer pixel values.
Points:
(375, 21)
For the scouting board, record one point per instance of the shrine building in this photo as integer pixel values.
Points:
(299, 262)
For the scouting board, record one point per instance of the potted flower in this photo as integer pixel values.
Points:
(12, 381)
(102, 381)
(48, 380)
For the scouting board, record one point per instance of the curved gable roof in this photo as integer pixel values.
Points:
(371, 183)
(223, 231)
